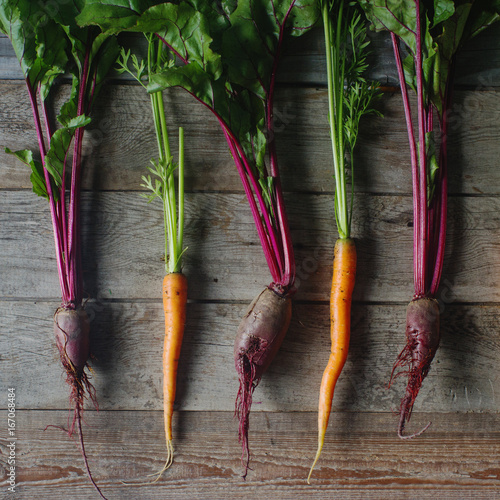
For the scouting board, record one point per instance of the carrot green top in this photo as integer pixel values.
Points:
(163, 184)
(350, 96)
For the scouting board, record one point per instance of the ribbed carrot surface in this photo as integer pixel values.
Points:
(344, 275)
(174, 307)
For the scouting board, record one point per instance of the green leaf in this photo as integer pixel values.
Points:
(38, 42)
(64, 13)
(229, 58)
(482, 14)
(245, 116)
(443, 9)
(192, 78)
(52, 59)
(103, 48)
(432, 165)
(59, 146)
(303, 16)
(186, 31)
(250, 45)
(69, 109)
(37, 177)
(113, 16)
(396, 16)
(104, 54)
(249, 50)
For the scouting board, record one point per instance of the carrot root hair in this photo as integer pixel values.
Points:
(159, 474)
(168, 462)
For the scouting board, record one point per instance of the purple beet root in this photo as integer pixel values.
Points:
(422, 341)
(72, 327)
(259, 337)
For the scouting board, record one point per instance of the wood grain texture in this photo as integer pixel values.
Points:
(121, 141)
(123, 247)
(127, 340)
(362, 457)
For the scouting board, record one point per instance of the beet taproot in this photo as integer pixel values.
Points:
(260, 334)
(422, 342)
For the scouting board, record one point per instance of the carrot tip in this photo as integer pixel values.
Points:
(321, 440)
(168, 463)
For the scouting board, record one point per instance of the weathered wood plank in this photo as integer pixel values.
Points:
(456, 459)
(123, 247)
(478, 64)
(121, 141)
(127, 341)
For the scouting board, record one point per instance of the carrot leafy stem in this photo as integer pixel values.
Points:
(163, 185)
(350, 96)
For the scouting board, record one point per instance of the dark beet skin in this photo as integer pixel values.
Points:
(259, 337)
(422, 341)
(72, 328)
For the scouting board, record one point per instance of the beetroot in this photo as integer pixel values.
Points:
(432, 34)
(72, 327)
(55, 46)
(260, 334)
(422, 341)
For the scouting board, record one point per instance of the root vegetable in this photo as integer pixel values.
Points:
(433, 34)
(52, 46)
(350, 97)
(422, 341)
(260, 334)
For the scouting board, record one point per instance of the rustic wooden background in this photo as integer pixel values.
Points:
(457, 458)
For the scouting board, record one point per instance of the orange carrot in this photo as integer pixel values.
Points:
(346, 48)
(344, 274)
(174, 307)
(161, 183)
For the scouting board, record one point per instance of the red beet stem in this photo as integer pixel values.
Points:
(259, 337)
(422, 341)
